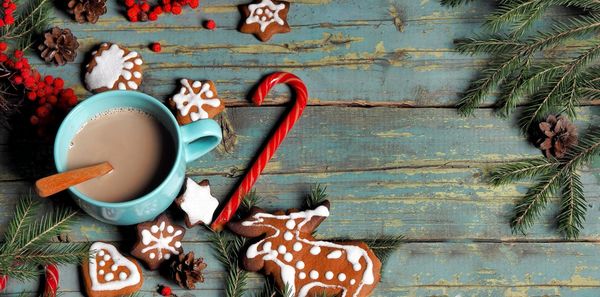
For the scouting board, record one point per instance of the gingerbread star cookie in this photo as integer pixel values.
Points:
(196, 100)
(107, 273)
(264, 18)
(197, 203)
(113, 67)
(158, 241)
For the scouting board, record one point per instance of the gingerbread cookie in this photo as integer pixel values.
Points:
(113, 68)
(107, 273)
(158, 240)
(197, 203)
(196, 100)
(308, 267)
(265, 18)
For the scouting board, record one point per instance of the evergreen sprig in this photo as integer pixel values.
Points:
(542, 86)
(31, 20)
(317, 195)
(27, 241)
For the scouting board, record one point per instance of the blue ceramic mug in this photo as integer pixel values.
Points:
(191, 142)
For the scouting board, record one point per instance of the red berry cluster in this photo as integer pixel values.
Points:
(8, 8)
(46, 93)
(141, 11)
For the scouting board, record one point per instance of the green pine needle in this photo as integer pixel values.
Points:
(316, 197)
(515, 171)
(30, 22)
(24, 214)
(573, 206)
(384, 246)
(228, 249)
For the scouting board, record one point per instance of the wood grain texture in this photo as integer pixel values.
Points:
(379, 132)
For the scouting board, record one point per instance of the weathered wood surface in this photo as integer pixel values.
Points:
(379, 132)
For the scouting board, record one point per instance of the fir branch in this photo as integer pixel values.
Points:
(316, 197)
(251, 200)
(32, 20)
(536, 198)
(22, 271)
(573, 206)
(24, 213)
(522, 12)
(49, 226)
(60, 253)
(454, 3)
(527, 169)
(383, 247)
(494, 44)
(228, 252)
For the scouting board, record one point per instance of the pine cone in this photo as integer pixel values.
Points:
(86, 10)
(59, 46)
(187, 271)
(559, 135)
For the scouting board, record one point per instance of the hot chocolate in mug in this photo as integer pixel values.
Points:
(190, 142)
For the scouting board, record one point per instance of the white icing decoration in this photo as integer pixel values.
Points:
(152, 255)
(132, 85)
(127, 75)
(114, 267)
(154, 240)
(110, 65)
(290, 224)
(177, 244)
(109, 276)
(329, 275)
(106, 257)
(356, 267)
(138, 61)
(184, 102)
(122, 276)
(137, 74)
(198, 203)
(170, 229)
(288, 236)
(133, 278)
(353, 254)
(288, 257)
(281, 249)
(297, 246)
(122, 86)
(101, 263)
(101, 272)
(101, 253)
(302, 275)
(167, 256)
(315, 250)
(260, 11)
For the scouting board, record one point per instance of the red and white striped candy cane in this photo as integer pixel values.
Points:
(265, 155)
(51, 285)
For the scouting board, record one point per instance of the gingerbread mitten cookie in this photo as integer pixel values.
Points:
(107, 273)
(113, 68)
(265, 18)
(158, 240)
(296, 260)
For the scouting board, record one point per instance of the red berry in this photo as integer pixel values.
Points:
(158, 10)
(165, 291)
(9, 19)
(42, 111)
(155, 47)
(31, 96)
(18, 80)
(3, 46)
(68, 93)
(129, 3)
(72, 101)
(52, 99)
(167, 7)
(133, 18)
(166, 1)
(18, 53)
(59, 83)
(145, 7)
(176, 9)
(210, 25)
(194, 3)
(34, 120)
(48, 79)
(153, 16)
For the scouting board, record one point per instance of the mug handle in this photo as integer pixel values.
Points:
(199, 138)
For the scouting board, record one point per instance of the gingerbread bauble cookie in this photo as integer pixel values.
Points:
(113, 67)
(196, 100)
(107, 273)
(264, 18)
(308, 267)
(158, 240)
(197, 203)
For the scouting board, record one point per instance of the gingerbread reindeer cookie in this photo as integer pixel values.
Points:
(158, 240)
(308, 267)
(196, 100)
(107, 273)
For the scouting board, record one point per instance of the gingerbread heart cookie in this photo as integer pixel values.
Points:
(158, 241)
(107, 273)
(196, 100)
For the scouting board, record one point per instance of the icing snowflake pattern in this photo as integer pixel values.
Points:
(155, 241)
(265, 13)
(111, 64)
(187, 98)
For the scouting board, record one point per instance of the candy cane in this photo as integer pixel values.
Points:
(265, 155)
(51, 285)
(3, 280)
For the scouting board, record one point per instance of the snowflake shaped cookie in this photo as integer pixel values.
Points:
(158, 241)
(196, 100)
(113, 68)
(197, 202)
(265, 18)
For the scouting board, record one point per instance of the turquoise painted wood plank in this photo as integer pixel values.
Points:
(336, 139)
(414, 66)
(424, 204)
(439, 269)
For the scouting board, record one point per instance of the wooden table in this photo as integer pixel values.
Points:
(380, 132)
